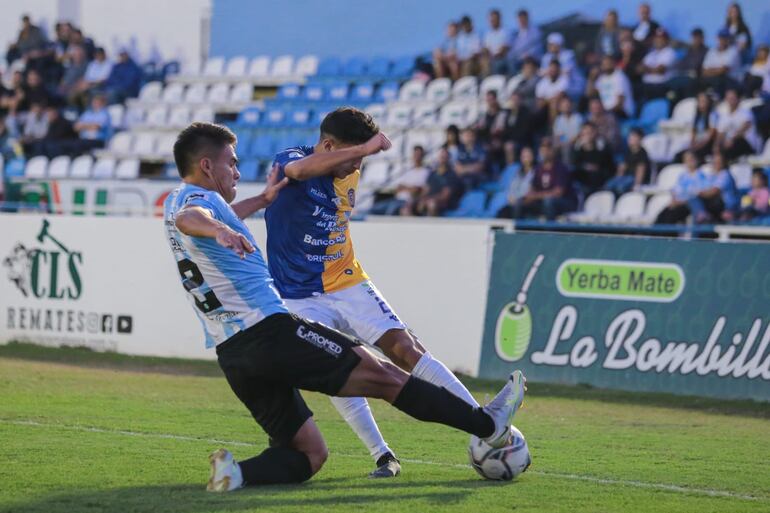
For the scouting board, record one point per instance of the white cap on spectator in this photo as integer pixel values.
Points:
(554, 38)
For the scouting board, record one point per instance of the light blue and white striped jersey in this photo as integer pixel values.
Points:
(229, 294)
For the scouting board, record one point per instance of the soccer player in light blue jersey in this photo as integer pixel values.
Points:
(268, 354)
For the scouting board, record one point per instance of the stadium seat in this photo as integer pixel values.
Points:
(496, 202)
(196, 93)
(453, 113)
(656, 145)
(424, 115)
(763, 159)
(598, 206)
(472, 204)
(203, 114)
(121, 143)
(157, 116)
(682, 118)
(313, 91)
(402, 67)
(399, 115)
(117, 113)
(81, 167)
(249, 169)
(741, 172)
(262, 147)
(329, 67)
(472, 113)
(151, 92)
(214, 67)
(236, 66)
(375, 174)
(104, 168)
(59, 167)
(274, 117)
(337, 92)
(259, 67)
(629, 206)
(494, 83)
(242, 93)
(298, 118)
(378, 111)
(652, 112)
(669, 175)
(170, 68)
(173, 93)
(179, 116)
(511, 86)
(282, 66)
(355, 67)
(418, 138)
(250, 116)
(655, 206)
(134, 116)
(412, 91)
(288, 91)
(388, 91)
(465, 88)
(127, 169)
(219, 93)
(307, 65)
(144, 144)
(165, 145)
(380, 67)
(362, 92)
(438, 90)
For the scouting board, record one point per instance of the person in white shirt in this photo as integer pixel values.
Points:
(614, 89)
(550, 88)
(566, 58)
(97, 72)
(760, 68)
(657, 67)
(468, 47)
(736, 134)
(407, 186)
(722, 64)
(497, 43)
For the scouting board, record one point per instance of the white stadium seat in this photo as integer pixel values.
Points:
(438, 90)
(242, 93)
(511, 86)
(59, 167)
(219, 93)
(173, 93)
(399, 115)
(179, 116)
(214, 67)
(306, 66)
(741, 172)
(36, 167)
(236, 67)
(103, 168)
(669, 175)
(117, 113)
(157, 116)
(494, 83)
(81, 167)
(466, 87)
(682, 117)
(412, 90)
(378, 111)
(165, 144)
(196, 93)
(282, 66)
(121, 142)
(134, 116)
(151, 92)
(375, 173)
(127, 169)
(655, 206)
(597, 206)
(656, 146)
(144, 144)
(259, 66)
(628, 207)
(763, 159)
(452, 113)
(425, 115)
(204, 114)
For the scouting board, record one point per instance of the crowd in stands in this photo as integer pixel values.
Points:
(569, 127)
(54, 96)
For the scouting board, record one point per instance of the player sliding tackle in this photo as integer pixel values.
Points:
(310, 255)
(268, 354)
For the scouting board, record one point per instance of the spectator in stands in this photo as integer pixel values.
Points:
(608, 39)
(634, 171)
(645, 29)
(689, 184)
(657, 67)
(594, 163)
(736, 132)
(566, 129)
(60, 136)
(468, 48)
(518, 122)
(34, 91)
(740, 35)
(631, 55)
(97, 73)
(78, 39)
(445, 56)
(757, 202)
(9, 147)
(124, 80)
(704, 129)
(760, 68)
(520, 185)
(605, 123)
(718, 201)
(550, 193)
(497, 43)
(526, 42)
(74, 72)
(452, 142)
(685, 81)
(528, 83)
(614, 89)
(491, 129)
(721, 66)
(549, 89)
(63, 31)
(556, 51)
(409, 184)
(29, 44)
(35, 127)
(471, 160)
(442, 190)
(8, 95)
(93, 126)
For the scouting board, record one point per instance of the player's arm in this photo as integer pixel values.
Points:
(198, 222)
(320, 164)
(248, 206)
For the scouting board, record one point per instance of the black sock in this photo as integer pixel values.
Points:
(276, 465)
(427, 402)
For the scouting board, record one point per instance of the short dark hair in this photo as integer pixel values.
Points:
(198, 139)
(349, 125)
(495, 11)
(761, 174)
(637, 131)
(697, 31)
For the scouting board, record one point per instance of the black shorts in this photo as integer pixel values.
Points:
(266, 364)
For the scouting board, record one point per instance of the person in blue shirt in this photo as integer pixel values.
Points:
(267, 354)
(718, 201)
(124, 79)
(94, 126)
(690, 183)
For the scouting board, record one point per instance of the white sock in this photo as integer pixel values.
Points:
(236, 479)
(356, 412)
(433, 371)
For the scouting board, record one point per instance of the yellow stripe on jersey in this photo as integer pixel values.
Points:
(346, 271)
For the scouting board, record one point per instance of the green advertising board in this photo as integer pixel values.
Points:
(686, 317)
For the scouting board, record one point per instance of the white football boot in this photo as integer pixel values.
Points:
(225, 472)
(503, 407)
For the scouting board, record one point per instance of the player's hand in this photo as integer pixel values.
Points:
(379, 142)
(231, 239)
(273, 186)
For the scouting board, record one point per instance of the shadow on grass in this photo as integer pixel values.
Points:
(194, 499)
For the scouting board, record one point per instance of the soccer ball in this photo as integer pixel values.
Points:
(501, 464)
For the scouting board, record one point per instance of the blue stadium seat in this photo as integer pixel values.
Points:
(652, 112)
(329, 67)
(498, 201)
(472, 204)
(244, 136)
(355, 67)
(249, 170)
(388, 91)
(314, 92)
(250, 116)
(402, 67)
(298, 118)
(362, 92)
(288, 91)
(15, 167)
(337, 92)
(274, 117)
(380, 67)
(262, 147)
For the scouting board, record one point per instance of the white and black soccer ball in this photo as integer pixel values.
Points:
(502, 464)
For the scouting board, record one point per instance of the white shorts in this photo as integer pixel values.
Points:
(359, 311)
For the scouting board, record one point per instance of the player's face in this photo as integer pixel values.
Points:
(223, 171)
(347, 168)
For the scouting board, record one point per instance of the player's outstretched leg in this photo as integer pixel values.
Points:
(358, 415)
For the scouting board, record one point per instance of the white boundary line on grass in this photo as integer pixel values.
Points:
(558, 475)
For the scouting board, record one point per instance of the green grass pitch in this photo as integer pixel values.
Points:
(117, 434)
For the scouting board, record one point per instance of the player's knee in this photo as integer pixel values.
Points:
(317, 456)
(401, 348)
